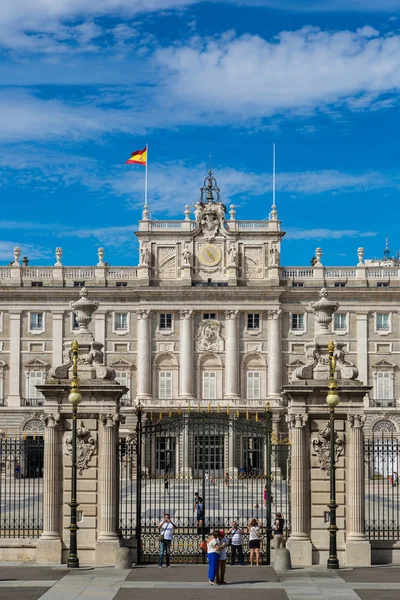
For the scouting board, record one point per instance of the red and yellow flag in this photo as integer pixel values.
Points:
(138, 158)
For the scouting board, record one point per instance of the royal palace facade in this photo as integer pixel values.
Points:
(211, 321)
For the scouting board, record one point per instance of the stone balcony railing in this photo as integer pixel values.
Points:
(188, 225)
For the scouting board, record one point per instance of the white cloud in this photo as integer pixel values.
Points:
(248, 77)
(294, 233)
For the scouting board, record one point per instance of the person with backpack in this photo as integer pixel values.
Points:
(278, 530)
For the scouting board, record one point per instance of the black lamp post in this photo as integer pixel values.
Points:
(75, 398)
(332, 400)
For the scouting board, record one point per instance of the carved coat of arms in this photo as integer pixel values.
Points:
(209, 336)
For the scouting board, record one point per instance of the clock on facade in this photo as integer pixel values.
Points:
(209, 255)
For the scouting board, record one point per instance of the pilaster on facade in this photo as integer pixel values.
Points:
(14, 396)
(231, 354)
(186, 372)
(274, 353)
(144, 354)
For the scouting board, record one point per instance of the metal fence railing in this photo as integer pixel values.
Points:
(382, 497)
(21, 487)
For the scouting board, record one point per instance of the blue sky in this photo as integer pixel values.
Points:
(86, 82)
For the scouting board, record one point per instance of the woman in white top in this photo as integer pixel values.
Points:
(254, 540)
(213, 556)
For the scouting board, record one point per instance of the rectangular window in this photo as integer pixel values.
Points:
(253, 385)
(34, 378)
(122, 377)
(36, 323)
(339, 284)
(121, 284)
(121, 321)
(382, 284)
(297, 284)
(340, 321)
(36, 283)
(165, 385)
(382, 322)
(298, 322)
(79, 284)
(383, 390)
(209, 316)
(165, 321)
(209, 385)
(253, 321)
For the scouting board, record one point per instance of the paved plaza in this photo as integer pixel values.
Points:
(24, 582)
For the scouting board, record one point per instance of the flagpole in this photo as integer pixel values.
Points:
(274, 213)
(146, 180)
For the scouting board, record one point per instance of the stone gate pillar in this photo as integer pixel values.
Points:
(357, 548)
(49, 548)
(108, 541)
(299, 542)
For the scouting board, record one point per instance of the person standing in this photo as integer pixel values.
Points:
(223, 544)
(213, 556)
(278, 530)
(236, 543)
(254, 541)
(207, 478)
(226, 479)
(166, 529)
(166, 484)
(199, 509)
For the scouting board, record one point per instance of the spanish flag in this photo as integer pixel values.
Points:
(138, 158)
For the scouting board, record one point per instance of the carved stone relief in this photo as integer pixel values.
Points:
(322, 444)
(85, 446)
(166, 262)
(253, 263)
(209, 336)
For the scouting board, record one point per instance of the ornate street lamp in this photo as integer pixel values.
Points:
(75, 398)
(332, 400)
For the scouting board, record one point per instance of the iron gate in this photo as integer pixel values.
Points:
(234, 464)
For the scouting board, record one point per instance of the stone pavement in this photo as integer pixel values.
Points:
(26, 582)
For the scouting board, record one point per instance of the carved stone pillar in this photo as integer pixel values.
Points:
(362, 347)
(108, 541)
(231, 354)
(299, 542)
(58, 318)
(49, 548)
(186, 355)
(274, 353)
(358, 549)
(144, 355)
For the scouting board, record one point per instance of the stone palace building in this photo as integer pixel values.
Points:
(211, 320)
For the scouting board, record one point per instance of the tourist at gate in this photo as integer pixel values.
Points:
(278, 530)
(213, 550)
(236, 543)
(254, 541)
(199, 509)
(223, 544)
(166, 529)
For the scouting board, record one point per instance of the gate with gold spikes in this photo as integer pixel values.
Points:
(231, 462)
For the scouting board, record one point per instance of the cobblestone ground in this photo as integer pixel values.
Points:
(24, 582)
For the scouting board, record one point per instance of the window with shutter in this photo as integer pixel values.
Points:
(34, 378)
(121, 322)
(165, 385)
(209, 385)
(382, 322)
(253, 385)
(36, 323)
(383, 389)
(122, 377)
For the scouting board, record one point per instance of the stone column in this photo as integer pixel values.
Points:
(362, 347)
(274, 353)
(186, 355)
(49, 548)
(358, 548)
(144, 355)
(14, 398)
(299, 542)
(108, 542)
(231, 354)
(58, 318)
